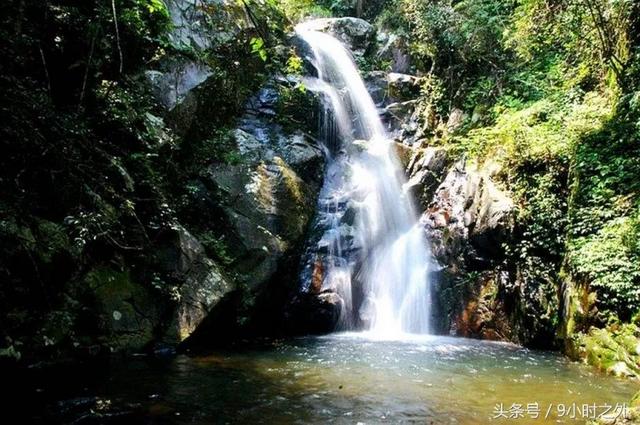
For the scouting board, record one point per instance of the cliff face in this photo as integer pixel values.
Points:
(186, 196)
(471, 222)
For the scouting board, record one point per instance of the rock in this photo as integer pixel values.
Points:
(184, 114)
(393, 48)
(456, 119)
(377, 86)
(404, 154)
(398, 118)
(478, 114)
(199, 284)
(171, 86)
(401, 115)
(190, 22)
(267, 206)
(483, 315)
(315, 313)
(357, 34)
(132, 314)
(493, 219)
(127, 312)
(608, 349)
(192, 31)
(157, 128)
(473, 210)
(268, 198)
(468, 219)
(403, 87)
(621, 370)
(426, 169)
(446, 214)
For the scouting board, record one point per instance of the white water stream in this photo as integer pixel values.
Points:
(380, 252)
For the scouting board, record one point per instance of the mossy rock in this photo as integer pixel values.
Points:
(126, 311)
(612, 351)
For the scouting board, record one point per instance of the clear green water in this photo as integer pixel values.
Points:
(349, 379)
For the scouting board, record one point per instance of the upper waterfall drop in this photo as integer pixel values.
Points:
(373, 251)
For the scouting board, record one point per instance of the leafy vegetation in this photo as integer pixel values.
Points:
(91, 176)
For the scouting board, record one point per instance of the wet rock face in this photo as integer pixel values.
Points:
(197, 26)
(190, 19)
(262, 198)
(315, 313)
(483, 313)
(467, 218)
(126, 313)
(396, 97)
(265, 199)
(171, 86)
(190, 30)
(479, 291)
(269, 196)
(378, 87)
(468, 207)
(426, 170)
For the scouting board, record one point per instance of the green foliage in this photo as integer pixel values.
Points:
(294, 65)
(459, 43)
(591, 35)
(609, 260)
(604, 246)
(299, 10)
(73, 46)
(216, 247)
(217, 147)
(257, 48)
(295, 105)
(544, 129)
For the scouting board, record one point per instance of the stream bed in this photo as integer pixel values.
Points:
(341, 378)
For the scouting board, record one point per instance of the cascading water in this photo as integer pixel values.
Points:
(372, 250)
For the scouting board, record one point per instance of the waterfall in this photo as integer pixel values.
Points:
(372, 249)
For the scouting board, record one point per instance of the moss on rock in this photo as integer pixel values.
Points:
(125, 310)
(613, 350)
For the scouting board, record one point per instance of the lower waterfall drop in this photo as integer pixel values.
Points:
(373, 251)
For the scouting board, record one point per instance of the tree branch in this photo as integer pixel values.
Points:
(46, 70)
(254, 21)
(115, 23)
(86, 71)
